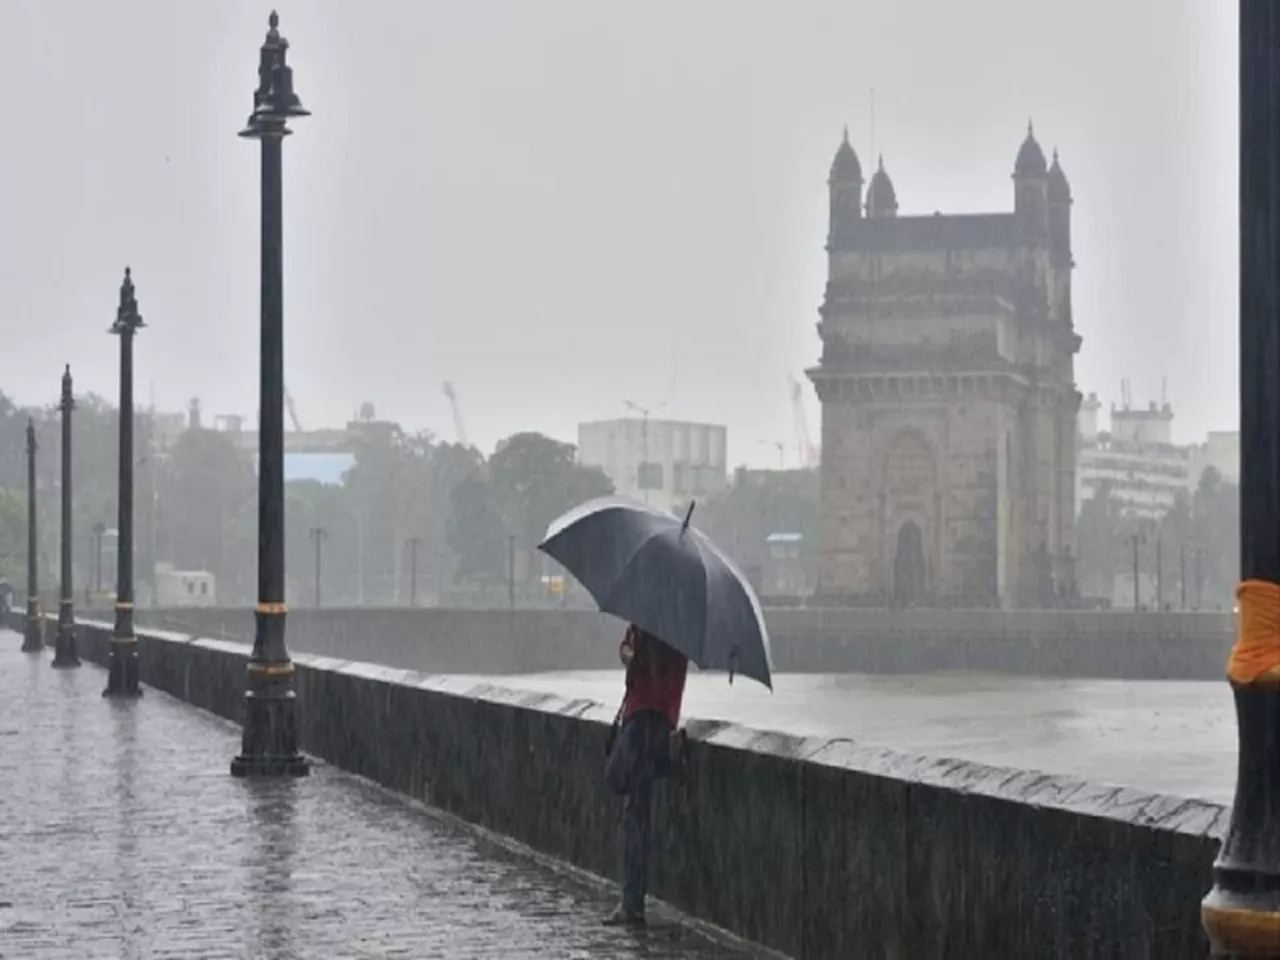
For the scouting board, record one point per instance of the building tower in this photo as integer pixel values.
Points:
(948, 402)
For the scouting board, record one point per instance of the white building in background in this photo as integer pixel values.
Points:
(666, 462)
(1137, 459)
(184, 588)
(1221, 450)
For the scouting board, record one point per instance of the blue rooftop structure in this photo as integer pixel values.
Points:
(326, 468)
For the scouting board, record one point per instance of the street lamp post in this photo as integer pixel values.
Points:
(99, 531)
(644, 443)
(269, 746)
(1182, 577)
(511, 570)
(414, 544)
(122, 666)
(1137, 540)
(318, 535)
(1241, 914)
(64, 645)
(33, 635)
(1159, 574)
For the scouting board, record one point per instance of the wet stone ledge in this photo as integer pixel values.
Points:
(817, 848)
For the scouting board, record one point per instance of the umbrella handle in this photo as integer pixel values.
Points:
(733, 663)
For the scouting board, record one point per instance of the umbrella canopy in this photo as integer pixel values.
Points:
(652, 568)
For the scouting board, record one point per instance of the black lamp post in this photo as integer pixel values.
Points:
(318, 534)
(270, 743)
(33, 635)
(122, 668)
(1241, 914)
(414, 544)
(64, 646)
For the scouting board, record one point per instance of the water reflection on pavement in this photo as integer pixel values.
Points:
(125, 836)
(1174, 737)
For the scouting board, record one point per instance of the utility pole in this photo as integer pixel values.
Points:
(318, 535)
(1199, 578)
(1159, 574)
(269, 745)
(511, 570)
(1137, 539)
(641, 476)
(99, 530)
(122, 673)
(1241, 914)
(1182, 576)
(414, 543)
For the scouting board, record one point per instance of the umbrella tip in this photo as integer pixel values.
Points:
(688, 514)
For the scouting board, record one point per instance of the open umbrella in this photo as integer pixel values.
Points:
(652, 568)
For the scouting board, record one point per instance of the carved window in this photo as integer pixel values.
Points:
(909, 468)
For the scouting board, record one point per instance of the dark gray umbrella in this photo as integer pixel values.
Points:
(649, 567)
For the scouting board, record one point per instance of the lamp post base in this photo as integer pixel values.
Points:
(33, 635)
(122, 670)
(269, 747)
(64, 648)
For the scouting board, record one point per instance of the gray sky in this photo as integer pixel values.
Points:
(559, 205)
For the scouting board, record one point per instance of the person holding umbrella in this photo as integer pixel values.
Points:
(685, 601)
(649, 746)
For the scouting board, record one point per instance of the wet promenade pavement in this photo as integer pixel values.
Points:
(124, 836)
(1172, 737)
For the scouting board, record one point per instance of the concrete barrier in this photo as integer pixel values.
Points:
(1130, 646)
(817, 848)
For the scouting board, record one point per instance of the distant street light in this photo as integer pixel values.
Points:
(318, 535)
(641, 474)
(414, 543)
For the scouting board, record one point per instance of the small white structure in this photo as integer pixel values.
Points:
(184, 588)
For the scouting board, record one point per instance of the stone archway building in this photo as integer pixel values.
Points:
(948, 396)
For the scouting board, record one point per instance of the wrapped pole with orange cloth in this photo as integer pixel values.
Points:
(1241, 914)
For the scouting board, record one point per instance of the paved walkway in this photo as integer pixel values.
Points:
(123, 835)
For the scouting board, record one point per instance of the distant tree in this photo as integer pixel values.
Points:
(477, 533)
(1215, 532)
(209, 519)
(13, 537)
(534, 479)
(1102, 532)
(740, 518)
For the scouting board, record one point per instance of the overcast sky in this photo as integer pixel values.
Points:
(565, 204)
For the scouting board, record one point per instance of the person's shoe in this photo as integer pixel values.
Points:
(621, 918)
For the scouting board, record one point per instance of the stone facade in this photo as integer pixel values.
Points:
(948, 397)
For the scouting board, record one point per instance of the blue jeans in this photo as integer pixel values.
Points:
(641, 756)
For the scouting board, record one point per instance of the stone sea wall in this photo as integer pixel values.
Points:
(817, 848)
(1149, 646)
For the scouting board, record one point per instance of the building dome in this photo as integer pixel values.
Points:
(1059, 188)
(845, 168)
(1030, 162)
(882, 200)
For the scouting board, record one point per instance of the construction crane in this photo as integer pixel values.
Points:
(457, 413)
(293, 411)
(808, 452)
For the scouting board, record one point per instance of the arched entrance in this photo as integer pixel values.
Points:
(909, 566)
